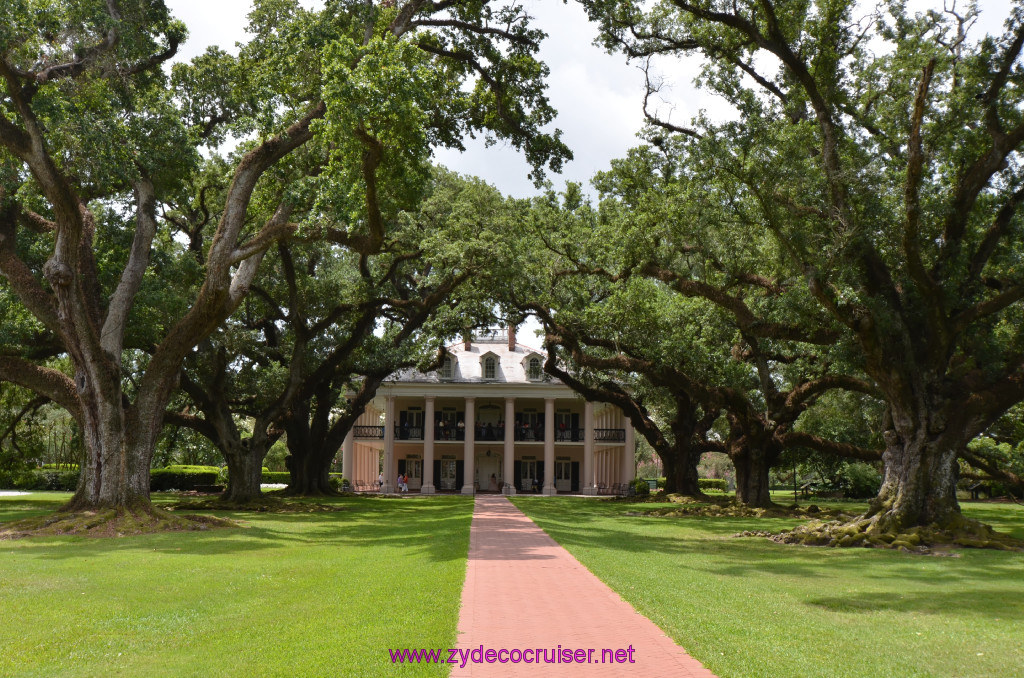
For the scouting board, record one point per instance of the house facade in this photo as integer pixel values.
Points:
(489, 419)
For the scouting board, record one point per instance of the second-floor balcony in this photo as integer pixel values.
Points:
(489, 432)
(368, 432)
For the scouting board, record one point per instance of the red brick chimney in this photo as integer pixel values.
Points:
(511, 337)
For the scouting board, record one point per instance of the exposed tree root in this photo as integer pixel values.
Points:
(868, 532)
(661, 497)
(113, 522)
(728, 506)
(739, 511)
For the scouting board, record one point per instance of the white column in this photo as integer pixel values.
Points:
(549, 446)
(628, 470)
(428, 446)
(508, 461)
(587, 482)
(348, 454)
(469, 449)
(390, 470)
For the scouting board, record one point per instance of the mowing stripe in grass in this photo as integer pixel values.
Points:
(750, 607)
(311, 594)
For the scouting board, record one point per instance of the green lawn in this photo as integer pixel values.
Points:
(305, 594)
(750, 607)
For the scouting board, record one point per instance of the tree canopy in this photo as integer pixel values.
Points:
(333, 111)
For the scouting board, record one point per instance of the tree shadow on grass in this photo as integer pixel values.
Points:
(991, 602)
(19, 507)
(705, 544)
(439, 530)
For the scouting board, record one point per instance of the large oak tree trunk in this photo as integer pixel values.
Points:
(245, 472)
(753, 453)
(752, 467)
(681, 458)
(313, 443)
(118, 450)
(920, 475)
(310, 471)
(681, 469)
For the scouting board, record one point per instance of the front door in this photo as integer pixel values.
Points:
(527, 475)
(447, 479)
(485, 468)
(563, 476)
(414, 469)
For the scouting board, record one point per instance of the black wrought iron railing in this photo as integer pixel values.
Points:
(376, 432)
(447, 432)
(610, 435)
(493, 433)
(408, 432)
(569, 435)
(529, 433)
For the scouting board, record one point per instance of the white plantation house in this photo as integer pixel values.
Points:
(489, 420)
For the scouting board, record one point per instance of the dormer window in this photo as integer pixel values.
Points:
(533, 366)
(446, 369)
(490, 368)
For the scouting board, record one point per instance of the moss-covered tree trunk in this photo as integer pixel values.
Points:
(920, 474)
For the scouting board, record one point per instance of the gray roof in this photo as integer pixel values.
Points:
(467, 365)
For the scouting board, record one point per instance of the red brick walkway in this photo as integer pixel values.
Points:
(523, 591)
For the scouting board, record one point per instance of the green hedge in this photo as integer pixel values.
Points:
(182, 477)
(186, 468)
(39, 479)
(284, 477)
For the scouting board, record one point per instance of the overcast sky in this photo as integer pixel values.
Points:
(598, 96)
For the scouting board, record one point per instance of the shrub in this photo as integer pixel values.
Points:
(190, 468)
(712, 484)
(65, 481)
(860, 480)
(59, 467)
(661, 483)
(997, 489)
(641, 488)
(182, 477)
(8, 478)
(39, 479)
(277, 477)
